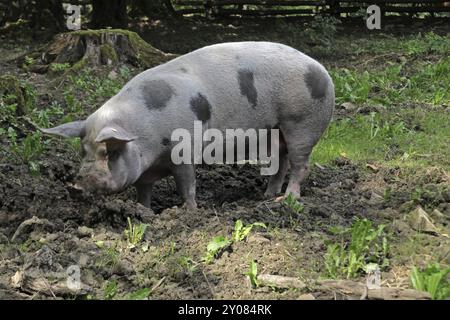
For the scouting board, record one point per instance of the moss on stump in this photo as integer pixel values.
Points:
(98, 47)
(12, 92)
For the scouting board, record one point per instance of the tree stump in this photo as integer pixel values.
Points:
(83, 48)
(12, 91)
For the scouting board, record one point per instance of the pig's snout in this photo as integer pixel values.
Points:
(94, 184)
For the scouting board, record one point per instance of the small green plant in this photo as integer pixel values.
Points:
(323, 30)
(140, 294)
(292, 203)
(28, 61)
(110, 290)
(252, 274)
(135, 232)
(28, 151)
(215, 246)
(366, 245)
(72, 103)
(8, 109)
(42, 117)
(241, 232)
(351, 86)
(125, 72)
(433, 279)
(110, 257)
(59, 67)
(187, 264)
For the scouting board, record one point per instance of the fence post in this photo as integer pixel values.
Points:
(383, 8)
(334, 6)
(208, 8)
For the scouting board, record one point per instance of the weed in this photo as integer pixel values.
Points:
(110, 257)
(215, 246)
(366, 245)
(8, 109)
(241, 232)
(433, 279)
(59, 67)
(135, 232)
(323, 30)
(74, 106)
(140, 294)
(292, 203)
(28, 151)
(187, 264)
(110, 290)
(220, 243)
(43, 117)
(252, 274)
(28, 61)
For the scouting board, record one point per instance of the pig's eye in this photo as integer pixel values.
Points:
(102, 153)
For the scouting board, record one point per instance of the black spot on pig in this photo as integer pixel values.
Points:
(201, 107)
(156, 94)
(317, 81)
(183, 69)
(247, 86)
(165, 141)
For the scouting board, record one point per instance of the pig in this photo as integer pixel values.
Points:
(127, 141)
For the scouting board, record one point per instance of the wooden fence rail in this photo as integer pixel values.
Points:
(304, 7)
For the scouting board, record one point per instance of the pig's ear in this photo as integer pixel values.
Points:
(67, 130)
(114, 137)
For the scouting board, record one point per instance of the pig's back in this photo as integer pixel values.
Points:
(246, 84)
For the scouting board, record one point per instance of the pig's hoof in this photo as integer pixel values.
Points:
(270, 194)
(280, 199)
(190, 205)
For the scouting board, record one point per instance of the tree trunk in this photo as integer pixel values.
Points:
(109, 13)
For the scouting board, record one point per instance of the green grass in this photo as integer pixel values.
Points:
(109, 257)
(421, 82)
(410, 101)
(388, 139)
(384, 44)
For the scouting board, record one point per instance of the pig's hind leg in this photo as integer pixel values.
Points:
(300, 140)
(276, 181)
(184, 175)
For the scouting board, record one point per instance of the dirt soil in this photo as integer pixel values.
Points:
(45, 229)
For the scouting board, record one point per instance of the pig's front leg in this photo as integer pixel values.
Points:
(144, 192)
(184, 175)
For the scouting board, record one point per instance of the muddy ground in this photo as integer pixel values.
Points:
(63, 229)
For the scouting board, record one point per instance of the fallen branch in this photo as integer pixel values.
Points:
(359, 289)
